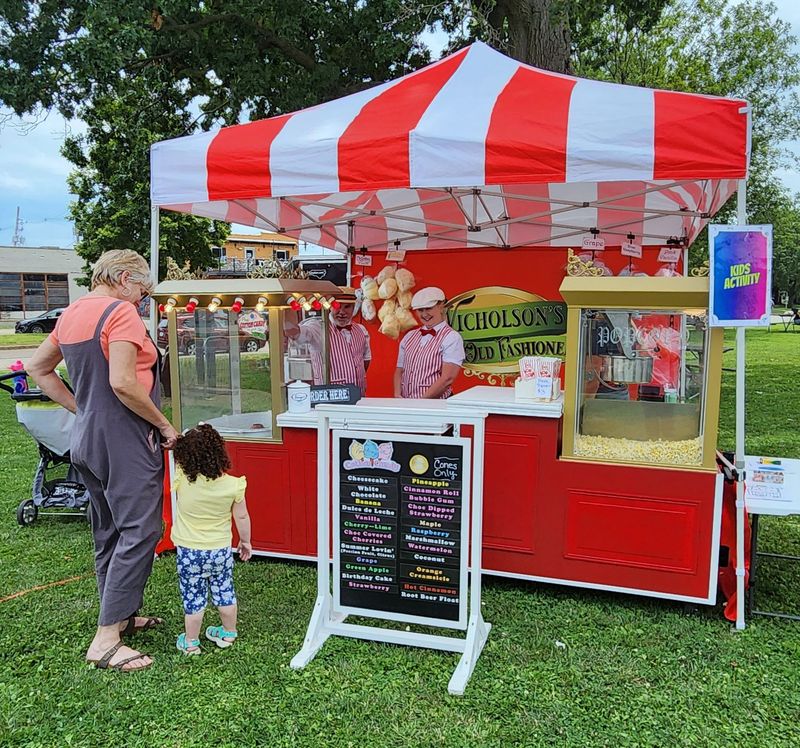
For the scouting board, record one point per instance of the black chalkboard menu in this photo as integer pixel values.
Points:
(400, 548)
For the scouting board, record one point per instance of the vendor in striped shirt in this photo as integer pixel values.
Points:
(430, 357)
(348, 345)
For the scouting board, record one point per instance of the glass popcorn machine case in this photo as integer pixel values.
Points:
(642, 382)
(229, 358)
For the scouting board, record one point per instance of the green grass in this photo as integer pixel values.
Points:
(633, 671)
(21, 338)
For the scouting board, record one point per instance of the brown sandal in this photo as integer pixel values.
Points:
(150, 622)
(104, 662)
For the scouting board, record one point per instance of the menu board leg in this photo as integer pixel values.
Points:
(477, 633)
(316, 635)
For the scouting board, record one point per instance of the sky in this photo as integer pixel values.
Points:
(33, 174)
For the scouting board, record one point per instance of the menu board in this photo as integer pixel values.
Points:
(400, 523)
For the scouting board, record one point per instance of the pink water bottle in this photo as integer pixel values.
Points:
(21, 381)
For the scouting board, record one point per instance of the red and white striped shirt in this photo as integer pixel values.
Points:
(349, 349)
(421, 358)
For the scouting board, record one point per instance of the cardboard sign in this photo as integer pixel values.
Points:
(396, 255)
(631, 250)
(670, 254)
(398, 546)
(740, 277)
(363, 260)
(253, 324)
(594, 243)
(772, 485)
(340, 394)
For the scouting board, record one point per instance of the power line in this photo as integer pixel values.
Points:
(17, 240)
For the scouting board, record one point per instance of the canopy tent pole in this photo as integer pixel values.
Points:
(741, 517)
(154, 239)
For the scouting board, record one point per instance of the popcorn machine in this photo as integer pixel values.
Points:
(228, 359)
(643, 372)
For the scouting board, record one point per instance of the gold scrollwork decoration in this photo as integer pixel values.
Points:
(175, 272)
(500, 379)
(281, 269)
(576, 267)
(701, 271)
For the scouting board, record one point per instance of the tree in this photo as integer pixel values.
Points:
(111, 177)
(137, 73)
(773, 204)
(718, 47)
(543, 33)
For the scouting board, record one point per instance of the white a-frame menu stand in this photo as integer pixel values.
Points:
(383, 420)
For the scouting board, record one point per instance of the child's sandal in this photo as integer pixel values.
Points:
(218, 635)
(188, 646)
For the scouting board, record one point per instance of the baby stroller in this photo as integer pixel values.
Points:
(56, 482)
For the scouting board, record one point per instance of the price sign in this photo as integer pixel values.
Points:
(396, 255)
(543, 387)
(594, 243)
(670, 254)
(631, 250)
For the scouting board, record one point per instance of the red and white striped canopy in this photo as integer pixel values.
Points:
(477, 150)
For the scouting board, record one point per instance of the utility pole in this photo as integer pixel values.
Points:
(18, 239)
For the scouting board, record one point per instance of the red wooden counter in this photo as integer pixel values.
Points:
(644, 530)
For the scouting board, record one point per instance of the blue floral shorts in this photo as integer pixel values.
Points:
(201, 571)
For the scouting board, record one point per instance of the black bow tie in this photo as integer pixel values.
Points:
(345, 327)
(427, 331)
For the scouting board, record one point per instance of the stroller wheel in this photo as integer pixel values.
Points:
(27, 512)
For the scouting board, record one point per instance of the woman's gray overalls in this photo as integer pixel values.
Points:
(118, 455)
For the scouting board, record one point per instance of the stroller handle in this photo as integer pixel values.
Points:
(23, 373)
(10, 375)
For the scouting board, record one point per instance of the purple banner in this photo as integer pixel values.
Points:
(740, 263)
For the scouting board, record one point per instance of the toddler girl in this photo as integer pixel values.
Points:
(207, 497)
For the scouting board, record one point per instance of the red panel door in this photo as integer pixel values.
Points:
(267, 471)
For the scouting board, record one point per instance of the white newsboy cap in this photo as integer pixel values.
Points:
(427, 297)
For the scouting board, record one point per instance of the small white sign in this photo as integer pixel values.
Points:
(363, 260)
(543, 388)
(670, 254)
(772, 485)
(396, 255)
(594, 243)
(253, 324)
(631, 250)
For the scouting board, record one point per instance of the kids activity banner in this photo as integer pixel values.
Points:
(740, 264)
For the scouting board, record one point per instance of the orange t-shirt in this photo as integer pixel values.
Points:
(79, 321)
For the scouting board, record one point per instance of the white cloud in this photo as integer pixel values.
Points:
(11, 182)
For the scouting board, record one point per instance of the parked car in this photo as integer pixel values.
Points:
(219, 336)
(45, 322)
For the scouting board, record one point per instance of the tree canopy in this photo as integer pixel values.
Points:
(140, 72)
(137, 73)
(720, 47)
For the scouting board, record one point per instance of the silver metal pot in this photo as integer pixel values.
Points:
(636, 370)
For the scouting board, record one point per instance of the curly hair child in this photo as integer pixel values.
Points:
(207, 499)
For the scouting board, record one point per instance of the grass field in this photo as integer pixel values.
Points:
(562, 667)
(22, 338)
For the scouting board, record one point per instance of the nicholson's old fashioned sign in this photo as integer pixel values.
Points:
(499, 325)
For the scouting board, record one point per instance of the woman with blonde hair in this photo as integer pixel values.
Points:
(116, 441)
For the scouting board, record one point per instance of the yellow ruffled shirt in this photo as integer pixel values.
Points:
(203, 517)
